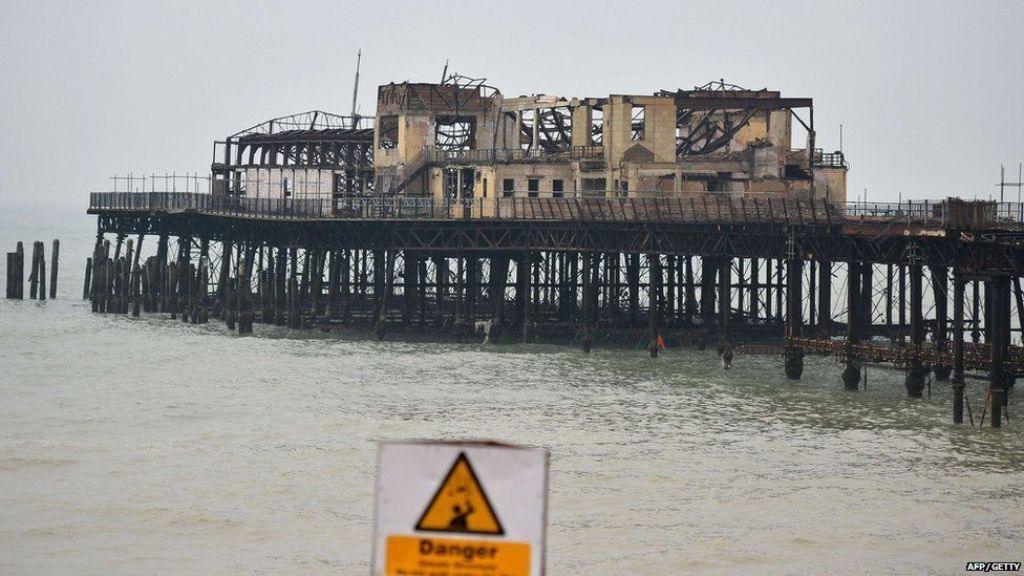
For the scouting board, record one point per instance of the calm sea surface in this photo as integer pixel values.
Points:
(146, 446)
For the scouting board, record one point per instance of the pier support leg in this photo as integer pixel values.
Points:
(915, 370)
(794, 356)
(940, 290)
(498, 284)
(867, 293)
(998, 291)
(226, 248)
(588, 289)
(525, 294)
(280, 286)
(653, 297)
(633, 282)
(245, 303)
(854, 304)
(825, 299)
(708, 271)
(958, 347)
(724, 311)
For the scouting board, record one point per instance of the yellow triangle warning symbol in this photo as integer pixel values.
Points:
(460, 504)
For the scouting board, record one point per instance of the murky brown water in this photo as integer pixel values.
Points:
(145, 446)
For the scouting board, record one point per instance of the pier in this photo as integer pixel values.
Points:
(717, 272)
(683, 218)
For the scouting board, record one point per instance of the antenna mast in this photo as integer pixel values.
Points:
(355, 88)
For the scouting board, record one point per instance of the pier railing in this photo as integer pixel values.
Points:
(702, 209)
(241, 206)
(707, 209)
(951, 212)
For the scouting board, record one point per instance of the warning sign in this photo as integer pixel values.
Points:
(460, 504)
(466, 509)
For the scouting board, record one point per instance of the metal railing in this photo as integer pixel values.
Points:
(951, 212)
(700, 210)
(169, 182)
(824, 159)
(505, 155)
(241, 206)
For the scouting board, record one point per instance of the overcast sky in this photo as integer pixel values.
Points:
(931, 94)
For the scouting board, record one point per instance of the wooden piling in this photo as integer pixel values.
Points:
(33, 277)
(54, 264)
(42, 271)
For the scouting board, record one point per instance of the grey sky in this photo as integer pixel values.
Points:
(931, 94)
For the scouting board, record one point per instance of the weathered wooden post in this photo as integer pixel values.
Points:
(88, 278)
(19, 280)
(33, 277)
(55, 256)
(42, 271)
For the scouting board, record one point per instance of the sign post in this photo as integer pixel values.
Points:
(466, 509)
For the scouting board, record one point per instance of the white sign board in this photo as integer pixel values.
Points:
(465, 509)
